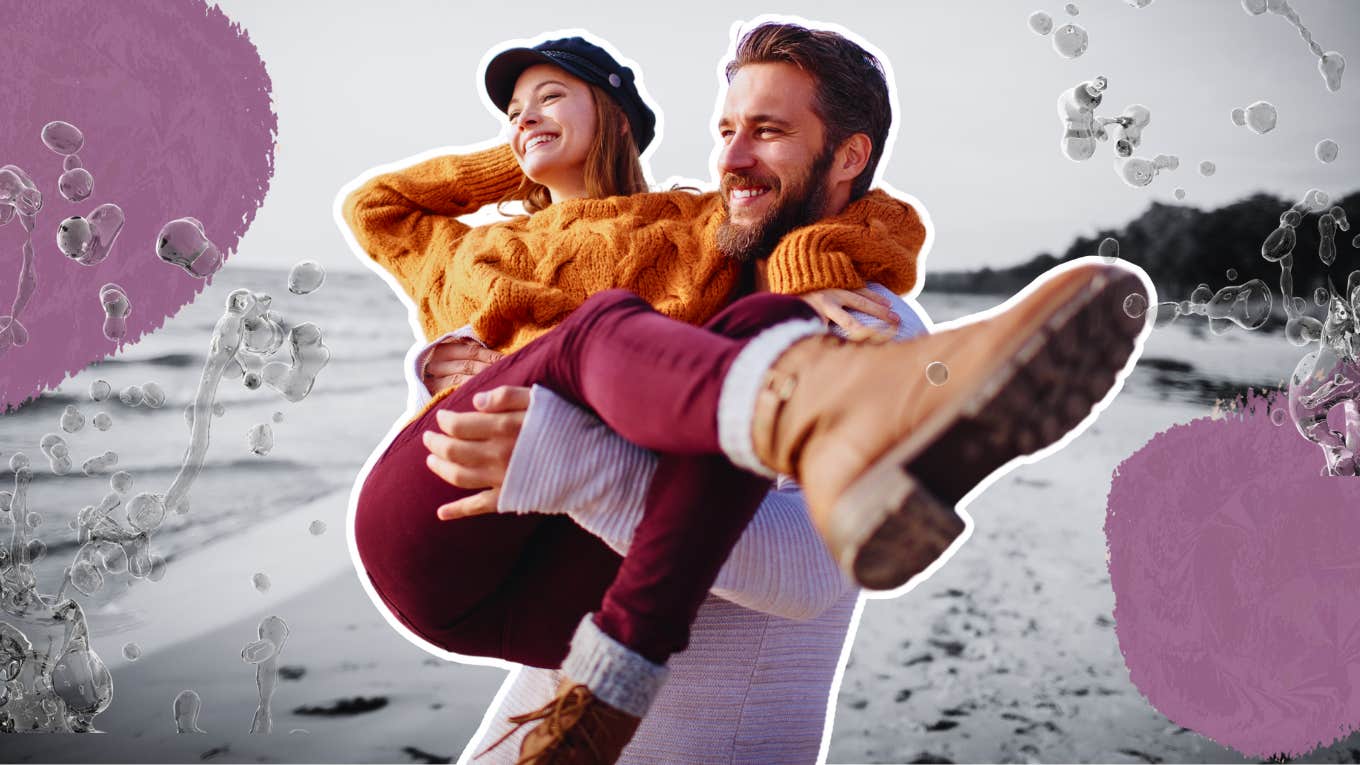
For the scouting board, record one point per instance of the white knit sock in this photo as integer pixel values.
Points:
(737, 403)
(616, 674)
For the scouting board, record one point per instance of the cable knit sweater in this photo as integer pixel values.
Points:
(516, 279)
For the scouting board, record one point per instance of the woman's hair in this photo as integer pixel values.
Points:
(613, 166)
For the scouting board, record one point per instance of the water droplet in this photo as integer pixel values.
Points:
(71, 419)
(278, 417)
(306, 277)
(153, 395)
(261, 581)
(1072, 9)
(258, 651)
(1232, 274)
(75, 238)
(1207, 168)
(76, 185)
(1070, 40)
(1355, 242)
(1040, 23)
(100, 390)
(1320, 296)
(1326, 150)
(183, 242)
(218, 409)
(86, 578)
(71, 162)
(102, 421)
(132, 651)
(96, 464)
(1261, 117)
(186, 707)
(317, 528)
(18, 461)
(1239, 116)
(116, 308)
(132, 395)
(36, 550)
(937, 372)
(146, 512)
(309, 356)
(1136, 171)
(1179, 193)
(260, 439)
(62, 137)
(1254, 7)
(1108, 249)
(1332, 65)
(1135, 305)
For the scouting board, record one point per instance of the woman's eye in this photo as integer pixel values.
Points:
(512, 116)
(550, 96)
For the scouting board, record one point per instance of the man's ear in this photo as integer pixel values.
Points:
(851, 157)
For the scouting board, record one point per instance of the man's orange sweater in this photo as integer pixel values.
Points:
(517, 279)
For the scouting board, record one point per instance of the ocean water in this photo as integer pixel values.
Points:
(320, 443)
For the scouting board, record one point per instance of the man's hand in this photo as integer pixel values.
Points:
(833, 306)
(473, 451)
(454, 362)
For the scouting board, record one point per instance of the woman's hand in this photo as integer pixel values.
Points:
(473, 451)
(833, 306)
(454, 362)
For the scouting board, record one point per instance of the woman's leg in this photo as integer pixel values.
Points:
(696, 509)
(446, 579)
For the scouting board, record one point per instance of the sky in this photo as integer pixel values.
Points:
(363, 84)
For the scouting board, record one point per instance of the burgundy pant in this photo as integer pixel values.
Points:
(516, 586)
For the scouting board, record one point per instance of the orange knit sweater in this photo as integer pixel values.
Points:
(514, 280)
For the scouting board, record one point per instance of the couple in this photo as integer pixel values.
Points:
(669, 405)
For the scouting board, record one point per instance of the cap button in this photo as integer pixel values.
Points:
(614, 80)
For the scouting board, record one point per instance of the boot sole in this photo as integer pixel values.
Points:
(898, 518)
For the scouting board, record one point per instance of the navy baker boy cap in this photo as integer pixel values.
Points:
(583, 59)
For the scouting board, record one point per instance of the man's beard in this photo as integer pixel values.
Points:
(801, 203)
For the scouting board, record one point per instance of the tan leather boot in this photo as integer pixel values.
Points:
(576, 729)
(883, 453)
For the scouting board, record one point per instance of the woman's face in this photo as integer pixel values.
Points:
(553, 124)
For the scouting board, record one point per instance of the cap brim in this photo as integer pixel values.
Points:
(505, 69)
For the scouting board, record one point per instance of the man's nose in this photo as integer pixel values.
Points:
(736, 155)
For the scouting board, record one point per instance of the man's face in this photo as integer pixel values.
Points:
(774, 158)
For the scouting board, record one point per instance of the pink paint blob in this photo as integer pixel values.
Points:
(173, 103)
(1236, 573)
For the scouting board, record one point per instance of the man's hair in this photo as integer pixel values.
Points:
(612, 168)
(852, 88)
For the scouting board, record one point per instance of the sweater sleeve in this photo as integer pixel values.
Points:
(877, 238)
(398, 217)
(567, 461)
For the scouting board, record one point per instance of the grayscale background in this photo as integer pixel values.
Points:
(1007, 654)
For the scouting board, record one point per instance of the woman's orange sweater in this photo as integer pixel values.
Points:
(514, 280)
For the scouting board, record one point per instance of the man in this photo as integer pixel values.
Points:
(799, 112)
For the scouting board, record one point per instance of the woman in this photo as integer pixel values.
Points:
(520, 584)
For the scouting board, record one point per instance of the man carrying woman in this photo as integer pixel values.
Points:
(882, 452)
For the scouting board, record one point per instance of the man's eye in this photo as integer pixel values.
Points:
(512, 116)
(767, 131)
(726, 134)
